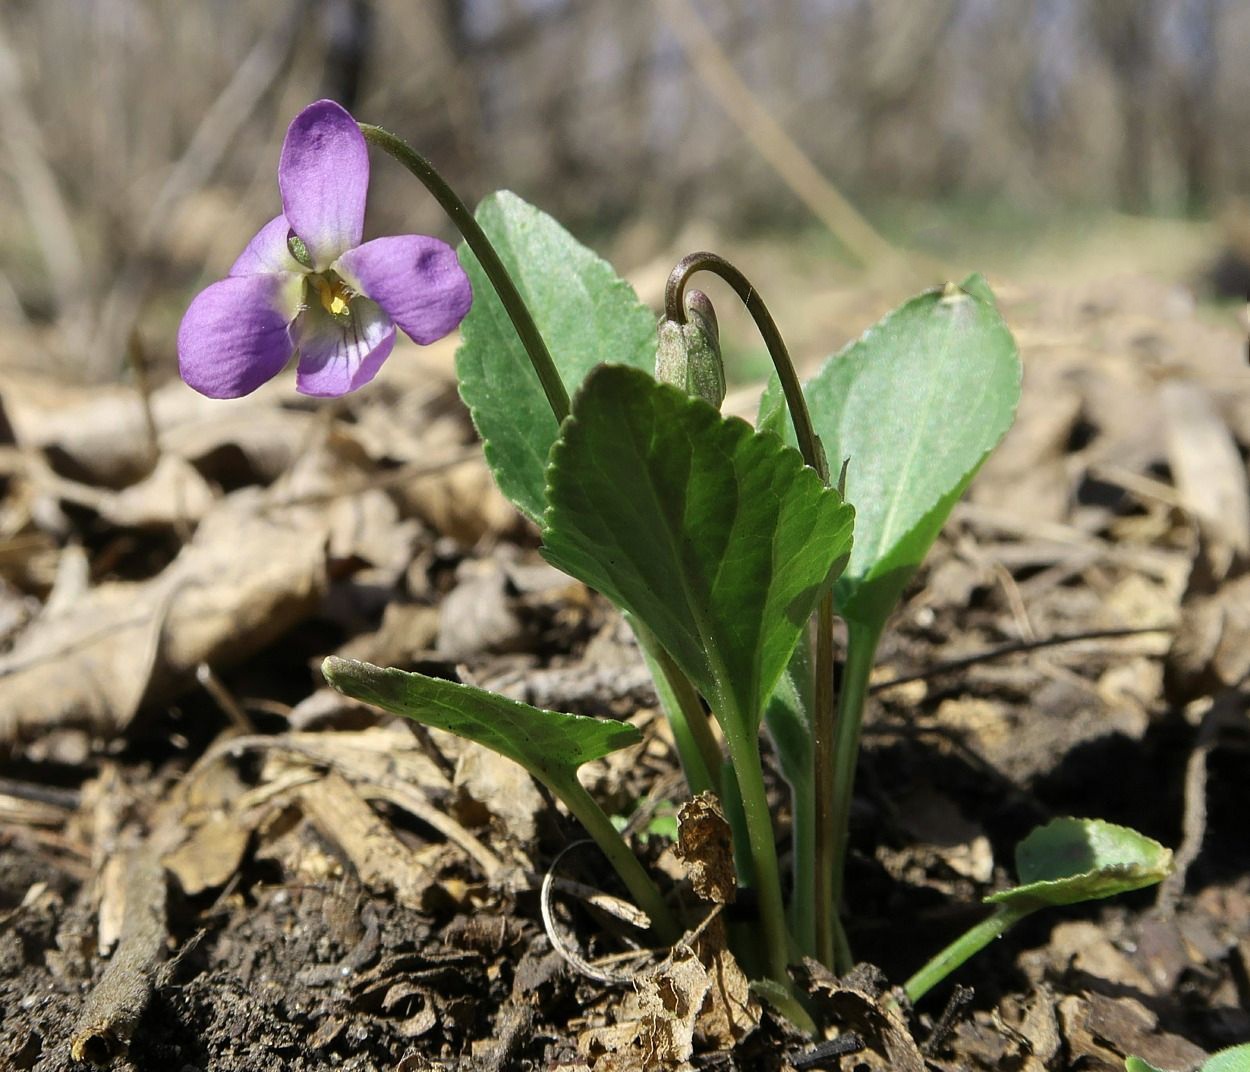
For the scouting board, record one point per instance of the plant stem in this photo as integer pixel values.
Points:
(700, 755)
(972, 941)
(803, 841)
(644, 892)
(861, 649)
(513, 303)
(744, 752)
(823, 783)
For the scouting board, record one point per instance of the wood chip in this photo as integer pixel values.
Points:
(380, 859)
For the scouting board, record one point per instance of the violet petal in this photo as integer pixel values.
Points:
(415, 278)
(268, 251)
(337, 355)
(234, 336)
(323, 175)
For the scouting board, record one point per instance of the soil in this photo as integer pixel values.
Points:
(334, 890)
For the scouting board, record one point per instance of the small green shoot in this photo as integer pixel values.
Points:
(1061, 863)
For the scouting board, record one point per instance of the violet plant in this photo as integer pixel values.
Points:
(728, 548)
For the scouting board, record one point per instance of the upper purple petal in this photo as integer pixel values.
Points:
(337, 355)
(268, 251)
(323, 175)
(234, 335)
(416, 279)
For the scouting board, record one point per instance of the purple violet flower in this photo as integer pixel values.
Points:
(338, 305)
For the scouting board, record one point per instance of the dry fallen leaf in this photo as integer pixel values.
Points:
(856, 1003)
(705, 846)
(210, 856)
(1101, 1031)
(243, 580)
(1207, 469)
(492, 785)
(1211, 648)
(380, 859)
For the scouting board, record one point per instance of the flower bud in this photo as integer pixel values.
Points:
(689, 355)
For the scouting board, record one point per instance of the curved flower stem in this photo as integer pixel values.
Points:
(675, 310)
(813, 855)
(482, 248)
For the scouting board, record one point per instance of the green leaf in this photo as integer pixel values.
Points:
(548, 744)
(916, 404)
(1233, 1059)
(720, 540)
(1071, 860)
(1136, 1064)
(586, 314)
(788, 715)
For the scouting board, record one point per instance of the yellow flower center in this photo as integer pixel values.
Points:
(335, 295)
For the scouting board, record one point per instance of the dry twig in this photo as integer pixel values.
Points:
(113, 1008)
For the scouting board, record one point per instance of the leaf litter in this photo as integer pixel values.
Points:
(347, 889)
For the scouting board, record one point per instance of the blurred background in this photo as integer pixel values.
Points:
(139, 139)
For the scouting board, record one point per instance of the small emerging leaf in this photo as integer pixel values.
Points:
(586, 314)
(915, 405)
(1136, 1064)
(548, 744)
(1071, 860)
(1233, 1059)
(720, 540)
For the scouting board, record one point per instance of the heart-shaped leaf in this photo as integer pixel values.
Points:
(586, 314)
(916, 405)
(1070, 860)
(548, 744)
(716, 537)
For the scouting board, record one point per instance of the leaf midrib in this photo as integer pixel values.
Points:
(711, 651)
(886, 539)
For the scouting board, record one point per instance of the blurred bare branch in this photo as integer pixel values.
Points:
(223, 120)
(770, 139)
(47, 214)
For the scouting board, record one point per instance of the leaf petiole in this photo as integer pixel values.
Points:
(861, 649)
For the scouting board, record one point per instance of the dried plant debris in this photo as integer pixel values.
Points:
(94, 662)
(705, 848)
(695, 1002)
